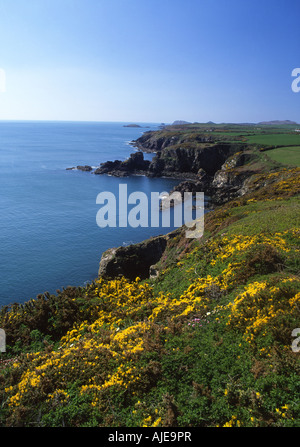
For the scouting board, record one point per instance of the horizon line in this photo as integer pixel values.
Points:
(143, 122)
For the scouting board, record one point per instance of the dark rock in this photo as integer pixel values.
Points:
(108, 166)
(134, 260)
(187, 186)
(84, 168)
(80, 168)
(135, 164)
(156, 141)
(229, 184)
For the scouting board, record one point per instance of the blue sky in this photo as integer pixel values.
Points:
(149, 60)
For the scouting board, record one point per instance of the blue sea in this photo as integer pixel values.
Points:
(49, 238)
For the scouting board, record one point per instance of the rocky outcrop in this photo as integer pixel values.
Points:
(219, 169)
(181, 162)
(134, 165)
(226, 183)
(156, 141)
(189, 160)
(85, 168)
(134, 260)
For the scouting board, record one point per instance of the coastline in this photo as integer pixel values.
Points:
(128, 341)
(230, 170)
(225, 184)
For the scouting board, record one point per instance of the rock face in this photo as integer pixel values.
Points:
(156, 141)
(188, 160)
(135, 164)
(134, 260)
(85, 168)
(227, 185)
(177, 162)
(219, 169)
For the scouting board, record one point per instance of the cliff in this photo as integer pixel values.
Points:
(217, 168)
(133, 260)
(154, 141)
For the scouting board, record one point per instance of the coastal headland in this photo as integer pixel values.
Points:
(177, 332)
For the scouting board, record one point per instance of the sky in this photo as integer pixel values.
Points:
(149, 60)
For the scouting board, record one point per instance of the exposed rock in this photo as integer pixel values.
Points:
(189, 160)
(81, 168)
(85, 168)
(218, 169)
(186, 186)
(156, 141)
(135, 164)
(134, 260)
(239, 159)
(108, 166)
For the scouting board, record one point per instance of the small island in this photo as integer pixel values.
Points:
(132, 125)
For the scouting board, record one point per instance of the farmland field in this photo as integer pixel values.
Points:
(279, 139)
(286, 155)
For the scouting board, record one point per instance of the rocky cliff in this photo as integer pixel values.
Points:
(134, 165)
(174, 160)
(155, 141)
(135, 260)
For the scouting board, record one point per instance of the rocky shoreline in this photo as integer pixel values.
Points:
(222, 170)
(217, 168)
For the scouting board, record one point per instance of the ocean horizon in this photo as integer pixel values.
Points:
(49, 236)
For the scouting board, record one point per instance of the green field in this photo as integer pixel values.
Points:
(273, 135)
(286, 155)
(279, 139)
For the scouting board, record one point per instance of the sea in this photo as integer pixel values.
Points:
(49, 237)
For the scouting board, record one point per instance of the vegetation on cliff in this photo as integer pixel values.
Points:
(207, 342)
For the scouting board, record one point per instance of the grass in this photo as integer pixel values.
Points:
(289, 156)
(256, 217)
(275, 139)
